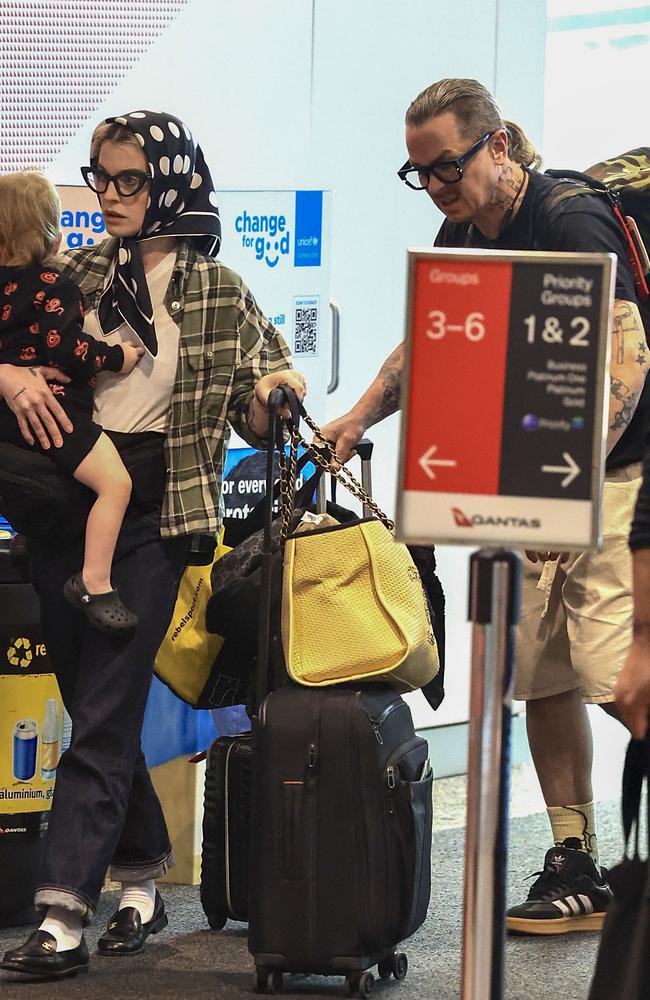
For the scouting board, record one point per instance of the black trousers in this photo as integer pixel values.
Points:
(105, 811)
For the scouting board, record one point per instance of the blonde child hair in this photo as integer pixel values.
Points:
(30, 211)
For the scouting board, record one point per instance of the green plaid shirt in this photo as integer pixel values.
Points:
(226, 346)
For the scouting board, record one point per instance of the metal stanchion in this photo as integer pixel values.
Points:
(493, 609)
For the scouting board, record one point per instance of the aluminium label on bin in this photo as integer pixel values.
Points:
(30, 729)
(504, 397)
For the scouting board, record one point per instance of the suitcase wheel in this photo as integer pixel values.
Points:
(269, 981)
(395, 965)
(360, 983)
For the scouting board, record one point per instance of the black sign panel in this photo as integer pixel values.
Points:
(551, 381)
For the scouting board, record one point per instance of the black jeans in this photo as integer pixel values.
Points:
(105, 810)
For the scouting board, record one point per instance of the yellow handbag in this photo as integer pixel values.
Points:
(353, 604)
(187, 653)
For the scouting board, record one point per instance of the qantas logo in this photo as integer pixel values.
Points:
(478, 520)
(462, 521)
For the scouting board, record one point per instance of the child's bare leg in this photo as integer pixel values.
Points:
(103, 472)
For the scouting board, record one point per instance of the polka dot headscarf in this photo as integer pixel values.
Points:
(182, 202)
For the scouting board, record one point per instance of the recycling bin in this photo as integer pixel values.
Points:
(31, 731)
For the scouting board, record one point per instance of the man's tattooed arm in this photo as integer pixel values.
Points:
(390, 376)
(381, 398)
(628, 367)
(622, 407)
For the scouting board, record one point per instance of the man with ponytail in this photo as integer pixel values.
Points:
(481, 172)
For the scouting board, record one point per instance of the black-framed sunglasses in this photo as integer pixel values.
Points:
(446, 171)
(127, 182)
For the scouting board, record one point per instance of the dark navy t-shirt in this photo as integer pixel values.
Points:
(581, 224)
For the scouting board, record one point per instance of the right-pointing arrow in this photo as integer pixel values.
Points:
(569, 471)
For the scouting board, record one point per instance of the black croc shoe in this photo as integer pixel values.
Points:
(104, 611)
(126, 934)
(39, 958)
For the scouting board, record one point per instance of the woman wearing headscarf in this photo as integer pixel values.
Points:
(211, 358)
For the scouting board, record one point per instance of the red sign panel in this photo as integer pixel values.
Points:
(459, 323)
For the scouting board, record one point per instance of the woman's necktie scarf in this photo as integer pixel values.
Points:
(182, 202)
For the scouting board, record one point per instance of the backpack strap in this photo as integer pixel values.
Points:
(571, 184)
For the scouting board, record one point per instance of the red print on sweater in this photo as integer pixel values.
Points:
(57, 389)
(54, 306)
(35, 329)
(10, 288)
(100, 361)
(49, 277)
(6, 312)
(53, 338)
(28, 354)
(38, 298)
(81, 350)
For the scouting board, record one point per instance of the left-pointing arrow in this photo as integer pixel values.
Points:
(570, 470)
(428, 462)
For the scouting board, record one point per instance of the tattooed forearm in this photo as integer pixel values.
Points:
(624, 323)
(390, 377)
(621, 415)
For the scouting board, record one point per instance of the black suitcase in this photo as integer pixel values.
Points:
(226, 830)
(341, 819)
(340, 823)
(341, 834)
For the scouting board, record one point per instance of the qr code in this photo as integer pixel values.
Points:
(305, 339)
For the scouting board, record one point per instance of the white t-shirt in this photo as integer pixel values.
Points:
(140, 401)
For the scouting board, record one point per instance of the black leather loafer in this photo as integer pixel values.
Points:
(126, 934)
(38, 957)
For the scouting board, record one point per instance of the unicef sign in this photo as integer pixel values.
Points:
(266, 235)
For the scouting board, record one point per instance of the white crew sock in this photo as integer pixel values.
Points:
(575, 821)
(141, 895)
(65, 925)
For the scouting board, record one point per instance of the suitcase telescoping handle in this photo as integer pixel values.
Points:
(364, 451)
(277, 399)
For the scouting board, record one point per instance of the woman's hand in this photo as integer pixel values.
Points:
(293, 380)
(258, 412)
(132, 355)
(28, 395)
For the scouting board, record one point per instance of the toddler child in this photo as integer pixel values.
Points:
(41, 323)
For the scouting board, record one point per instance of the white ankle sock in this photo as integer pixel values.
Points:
(65, 926)
(575, 821)
(141, 895)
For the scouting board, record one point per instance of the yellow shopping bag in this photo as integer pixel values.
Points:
(187, 653)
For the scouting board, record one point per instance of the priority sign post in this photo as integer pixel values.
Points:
(503, 444)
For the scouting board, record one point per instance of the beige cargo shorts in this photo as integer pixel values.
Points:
(576, 619)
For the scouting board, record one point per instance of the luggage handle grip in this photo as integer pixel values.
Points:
(281, 396)
(364, 449)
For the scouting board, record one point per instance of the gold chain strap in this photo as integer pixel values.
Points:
(342, 474)
(287, 484)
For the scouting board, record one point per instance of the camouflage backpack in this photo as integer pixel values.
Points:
(625, 181)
